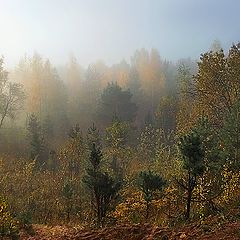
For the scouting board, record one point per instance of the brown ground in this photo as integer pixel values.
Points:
(215, 229)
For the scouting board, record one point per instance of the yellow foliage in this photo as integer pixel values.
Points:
(231, 193)
(8, 225)
(132, 209)
(163, 207)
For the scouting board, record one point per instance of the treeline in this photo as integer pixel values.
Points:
(144, 90)
(164, 146)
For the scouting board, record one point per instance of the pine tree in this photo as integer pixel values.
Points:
(116, 102)
(149, 183)
(93, 136)
(211, 143)
(192, 153)
(104, 189)
(36, 141)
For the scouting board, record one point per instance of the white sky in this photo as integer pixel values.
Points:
(113, 29)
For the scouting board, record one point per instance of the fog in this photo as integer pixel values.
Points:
(113, 30)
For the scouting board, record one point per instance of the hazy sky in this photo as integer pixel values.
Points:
(113, 29)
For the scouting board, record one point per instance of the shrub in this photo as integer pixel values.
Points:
(8, 225)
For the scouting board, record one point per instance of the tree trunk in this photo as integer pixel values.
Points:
(189, 198)
(147, 210)
(189, 195)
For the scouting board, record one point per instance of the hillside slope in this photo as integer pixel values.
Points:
(213, 230)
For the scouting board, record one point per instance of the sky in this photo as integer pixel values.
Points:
(113, 29)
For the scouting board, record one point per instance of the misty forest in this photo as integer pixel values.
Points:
(148, 141)
(146, 148)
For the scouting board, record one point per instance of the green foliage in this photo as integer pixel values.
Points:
(68, 190)
(166, 113)
(117, 134)
(68, 195)
(116, 102)
(192, 153)
(150, 182)
(230, 135)
(82, 177)
(93, 136)
(117, 149)
(36, 140)
(75, 151)
(103, 187)
(217, 83)
(211, 144)
(150, 141)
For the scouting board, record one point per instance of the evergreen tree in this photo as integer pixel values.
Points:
(36, 140)
(211, 144)
(93, 136)
(192, 153)
(52, 161)
(149, 183)
(104, 189)
(116, 102)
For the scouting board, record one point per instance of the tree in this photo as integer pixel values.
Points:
(103, 187)
(36, 141)
(149, 68)
(117, 134)
(149, 183)
(230, 135)
(116, 138)
(186, 99)
(150, 141)
(75, 151)
(68, 194)
(217, 85)
(211, 143)
(192, 153)
(93, 136)
(166, 113)
(121, 74)
(116, 102)
(47, 129)
(74, 85)
(11, 96)
(46, 94)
